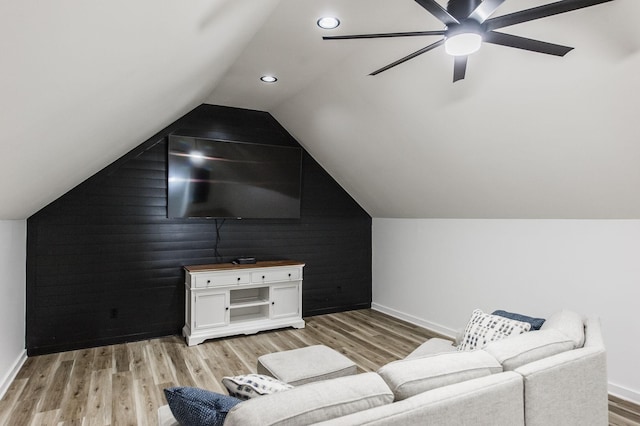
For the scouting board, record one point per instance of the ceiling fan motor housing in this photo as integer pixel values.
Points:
(461, 9)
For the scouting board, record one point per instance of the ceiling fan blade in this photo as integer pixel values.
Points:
(382, 35)
(438, 11)
(525, 43)
(539, 12)
(411, 56)
(459, 67)
(485, 9)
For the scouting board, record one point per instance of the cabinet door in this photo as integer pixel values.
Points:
(211, 309)
(285, 301)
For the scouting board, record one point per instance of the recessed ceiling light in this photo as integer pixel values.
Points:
(328, 22)
(268, 79)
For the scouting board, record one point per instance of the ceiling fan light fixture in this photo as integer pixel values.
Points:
(328, 22)
(463, 44)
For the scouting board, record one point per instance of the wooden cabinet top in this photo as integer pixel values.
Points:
(231, 266)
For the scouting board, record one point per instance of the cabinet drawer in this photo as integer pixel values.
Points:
(277, 275)
(209, 280)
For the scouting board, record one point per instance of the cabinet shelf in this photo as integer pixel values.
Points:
(249, 317)
(244, 297)
(249, 312)
(247, 302)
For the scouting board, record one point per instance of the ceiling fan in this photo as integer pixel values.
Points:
(468, 24)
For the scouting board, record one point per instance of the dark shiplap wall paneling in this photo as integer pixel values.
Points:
(104, 263)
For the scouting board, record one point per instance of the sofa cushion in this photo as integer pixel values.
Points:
(536, 323)
(313, 402)
(495, 400)
(528, 347)
(569, 323)
(484, 328)
(194, 406)
(248, 386)
(409, 377)
(431, 347)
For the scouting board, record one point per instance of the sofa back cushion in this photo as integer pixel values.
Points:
(313, 402)
(528, 347)
(409, 377)
(431, 347)
(568, 323)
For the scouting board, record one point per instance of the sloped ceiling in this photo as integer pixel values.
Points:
(83, 82)
(523, 136)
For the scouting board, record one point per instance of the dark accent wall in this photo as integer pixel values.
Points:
(104, 263)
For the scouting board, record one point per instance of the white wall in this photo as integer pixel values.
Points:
(13, 255)
(434, 272)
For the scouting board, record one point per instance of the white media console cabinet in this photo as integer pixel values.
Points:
(226, 299)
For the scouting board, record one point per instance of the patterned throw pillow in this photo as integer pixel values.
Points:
(251, 385)
(194, 406)
(484, 328)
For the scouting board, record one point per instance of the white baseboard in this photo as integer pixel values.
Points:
(624, 393)
(615, 390)
(13, 372)
(446, 331)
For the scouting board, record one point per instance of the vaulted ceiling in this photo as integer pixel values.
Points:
(523, 136)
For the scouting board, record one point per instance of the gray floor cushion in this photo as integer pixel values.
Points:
(305, 365)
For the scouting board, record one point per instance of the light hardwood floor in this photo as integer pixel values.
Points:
(122, 384)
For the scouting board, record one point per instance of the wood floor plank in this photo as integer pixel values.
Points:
(148, 400)
(103, 358)
(138, 362)
(123, 404)
(34, 391)
(159, 362)
(282, 342)
(124, 384)
(10, 399)
(77, 390)
(23, 411)
(178, 364)
(100, 395)
(121, 358)
(57, 387)
(200, 371)
(36, 365)
(45, 418)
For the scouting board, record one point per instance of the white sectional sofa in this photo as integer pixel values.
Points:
(553, 376)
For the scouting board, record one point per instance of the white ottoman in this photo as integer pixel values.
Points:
(305, 365)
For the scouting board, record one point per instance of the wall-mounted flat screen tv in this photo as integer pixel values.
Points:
(223, 179)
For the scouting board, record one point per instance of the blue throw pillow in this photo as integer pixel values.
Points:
(199, 407)
(536, 323)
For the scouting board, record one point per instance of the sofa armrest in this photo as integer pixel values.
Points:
(494, 400)
(569, 388)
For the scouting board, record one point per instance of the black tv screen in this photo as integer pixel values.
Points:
(222, 179)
